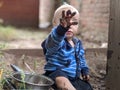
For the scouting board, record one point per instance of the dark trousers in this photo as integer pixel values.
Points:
(76, 82)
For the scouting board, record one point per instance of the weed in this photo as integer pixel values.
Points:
(35, 65)
(3, 71)
(22, 86)
(7, 33)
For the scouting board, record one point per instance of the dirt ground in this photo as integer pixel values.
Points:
(30, 61)
(32, 38)
(96, 58)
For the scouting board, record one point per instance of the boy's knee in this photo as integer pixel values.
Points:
(60, 80)
(63, 83)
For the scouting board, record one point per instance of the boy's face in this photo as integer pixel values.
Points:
(73, 28)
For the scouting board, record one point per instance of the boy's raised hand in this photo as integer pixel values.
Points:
(65, 21)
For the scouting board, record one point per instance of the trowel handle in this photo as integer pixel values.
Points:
(16, 68)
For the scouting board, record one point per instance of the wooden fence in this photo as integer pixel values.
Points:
(19, 12)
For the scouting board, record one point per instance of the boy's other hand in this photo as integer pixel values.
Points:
(65, 21)
(86, 77)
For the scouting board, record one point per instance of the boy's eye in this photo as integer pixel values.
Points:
(75, 23)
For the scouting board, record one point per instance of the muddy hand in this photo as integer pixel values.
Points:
(86, 77)
(65, 21)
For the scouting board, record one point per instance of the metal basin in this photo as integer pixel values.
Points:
(31, 81)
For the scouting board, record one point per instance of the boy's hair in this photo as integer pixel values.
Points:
(58, 13)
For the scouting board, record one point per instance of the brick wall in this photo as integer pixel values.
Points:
(19, 12)
(94, 19)
(94, 14)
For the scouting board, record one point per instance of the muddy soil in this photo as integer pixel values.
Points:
(29, 61)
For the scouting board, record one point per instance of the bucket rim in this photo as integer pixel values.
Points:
(52, 82)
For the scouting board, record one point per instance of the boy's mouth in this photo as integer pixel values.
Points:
(69, 32)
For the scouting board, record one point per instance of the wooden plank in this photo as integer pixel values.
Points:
(28, 52)
(113, 55)
(39, 52)
(19, 12)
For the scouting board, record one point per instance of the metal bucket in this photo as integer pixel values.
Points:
(31, 81)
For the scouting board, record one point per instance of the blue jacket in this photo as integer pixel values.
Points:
(60, 54)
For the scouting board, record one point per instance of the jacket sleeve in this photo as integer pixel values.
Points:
(83, 63)
(55, 38)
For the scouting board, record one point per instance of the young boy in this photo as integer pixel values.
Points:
(64, 52)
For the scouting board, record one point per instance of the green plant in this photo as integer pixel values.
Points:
(7, 33)
(2, 46)
(35, 65)
(3, 70)
(22, 86)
